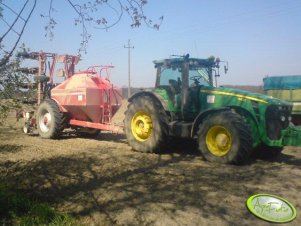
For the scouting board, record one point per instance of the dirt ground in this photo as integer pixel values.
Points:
(103, 182)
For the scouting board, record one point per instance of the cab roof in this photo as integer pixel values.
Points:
(177, 62)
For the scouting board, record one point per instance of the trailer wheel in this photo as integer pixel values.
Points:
(146, 125)
(225, 137)
(50, 120)
(266, 152)
(26, 129)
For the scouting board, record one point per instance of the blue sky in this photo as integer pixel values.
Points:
(256, 37)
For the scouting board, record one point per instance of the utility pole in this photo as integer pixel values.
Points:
(129, 47)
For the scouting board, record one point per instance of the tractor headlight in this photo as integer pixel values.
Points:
(289, 118)
(282, 118)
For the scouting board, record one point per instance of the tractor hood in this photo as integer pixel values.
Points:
(242, 94)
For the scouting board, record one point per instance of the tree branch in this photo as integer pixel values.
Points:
(85, 14)
(85, 35)
(120, 13)
(51, 22)
(5, 59)
(9, 25)
(15, 21)
(13, 11)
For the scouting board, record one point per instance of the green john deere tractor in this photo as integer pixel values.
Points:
(228, 124)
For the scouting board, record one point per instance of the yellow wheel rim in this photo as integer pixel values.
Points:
(218, 140)
(142, 126)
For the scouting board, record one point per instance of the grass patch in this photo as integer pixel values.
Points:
(17, 209)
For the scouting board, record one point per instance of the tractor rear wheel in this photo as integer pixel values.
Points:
(50, 120)
(224, 137)
(146, 125)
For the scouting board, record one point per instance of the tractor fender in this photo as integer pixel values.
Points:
(152, 95)
(252, 121)
(202, 115)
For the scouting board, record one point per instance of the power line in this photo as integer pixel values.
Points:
(129, 47)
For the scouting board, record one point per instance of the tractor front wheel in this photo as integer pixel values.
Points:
(224, 137)
(146, 125)
(50, 120)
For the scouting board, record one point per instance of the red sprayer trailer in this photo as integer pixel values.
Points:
(85, 101)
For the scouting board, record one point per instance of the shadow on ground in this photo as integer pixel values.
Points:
(110, 185)
(10, 148)
(139, 189)
(286, 159)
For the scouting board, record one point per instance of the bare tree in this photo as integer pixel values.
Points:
(87, 14)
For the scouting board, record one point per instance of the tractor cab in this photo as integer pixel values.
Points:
(182, 78)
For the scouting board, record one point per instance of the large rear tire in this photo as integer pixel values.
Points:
(146, 125)
(224, 137)
(50, 120)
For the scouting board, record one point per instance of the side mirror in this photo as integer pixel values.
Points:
(225, 69)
